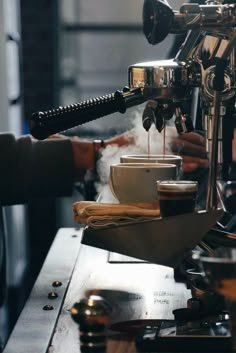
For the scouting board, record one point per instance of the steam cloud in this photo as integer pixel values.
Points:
(112, 153)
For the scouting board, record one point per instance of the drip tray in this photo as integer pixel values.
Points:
(164, 241)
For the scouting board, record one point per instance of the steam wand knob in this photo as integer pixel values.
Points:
(92, 314)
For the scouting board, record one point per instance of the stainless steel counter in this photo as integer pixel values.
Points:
(135, 289)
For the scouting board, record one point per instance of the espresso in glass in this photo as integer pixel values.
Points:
(176, 197)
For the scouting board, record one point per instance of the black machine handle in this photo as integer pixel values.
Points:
(44, 124)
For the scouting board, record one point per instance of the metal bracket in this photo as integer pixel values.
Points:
(164, 241)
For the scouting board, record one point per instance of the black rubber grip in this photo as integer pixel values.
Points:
(44, 124)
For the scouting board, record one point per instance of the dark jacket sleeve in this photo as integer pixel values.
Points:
(30, 169)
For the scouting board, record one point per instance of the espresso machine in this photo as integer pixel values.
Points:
(202, 73)
(198, 83)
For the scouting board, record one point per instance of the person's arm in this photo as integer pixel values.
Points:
(84, 151)
(31, 168)
(49, 168)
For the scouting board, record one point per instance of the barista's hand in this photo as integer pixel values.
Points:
(191, 147)
(84, 153)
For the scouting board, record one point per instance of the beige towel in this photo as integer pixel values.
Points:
(100, 215)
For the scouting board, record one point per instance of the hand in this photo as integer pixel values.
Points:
(125, 139)
(84, 153)
(191, 147)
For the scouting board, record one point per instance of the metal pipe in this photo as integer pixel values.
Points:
(211, 201)
(187, 47)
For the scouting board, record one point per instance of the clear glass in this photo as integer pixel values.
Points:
(176, 197)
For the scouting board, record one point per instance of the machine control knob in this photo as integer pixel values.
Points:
(92, 314)
(157, 20)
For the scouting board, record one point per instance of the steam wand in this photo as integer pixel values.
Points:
(44, 124)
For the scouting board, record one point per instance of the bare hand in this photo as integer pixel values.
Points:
(84, 153)
(191, 147)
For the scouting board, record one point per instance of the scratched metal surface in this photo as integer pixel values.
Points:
(35, 327)
(136, 290)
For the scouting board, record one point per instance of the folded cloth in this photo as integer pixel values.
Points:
(100, 215)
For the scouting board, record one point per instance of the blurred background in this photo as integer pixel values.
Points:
(54, 53)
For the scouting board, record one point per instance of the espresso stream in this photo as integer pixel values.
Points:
(164, 142)
(148, 146)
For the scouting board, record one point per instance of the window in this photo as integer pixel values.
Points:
(98, 40)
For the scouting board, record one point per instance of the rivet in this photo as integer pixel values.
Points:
(48, 307)
(56, 284)
(52, 295)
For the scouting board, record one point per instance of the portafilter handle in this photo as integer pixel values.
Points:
(44, 124)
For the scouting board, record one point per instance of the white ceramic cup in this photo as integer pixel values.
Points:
(155, 158)
(136, 182)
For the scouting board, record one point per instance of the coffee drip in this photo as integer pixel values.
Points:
(163, 142)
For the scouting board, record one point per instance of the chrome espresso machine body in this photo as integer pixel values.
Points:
(204, 67)
(200, 80)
